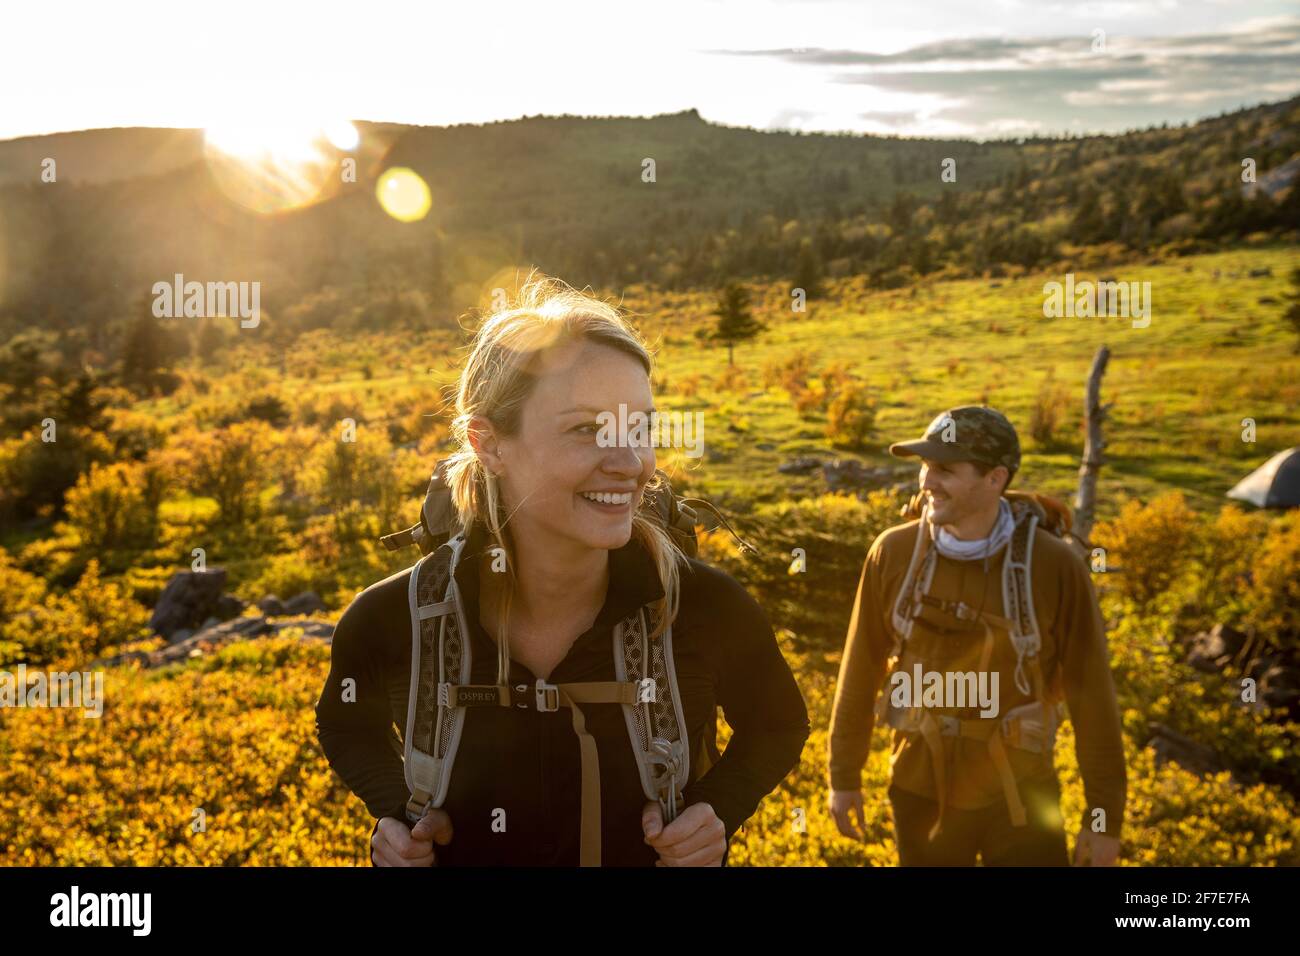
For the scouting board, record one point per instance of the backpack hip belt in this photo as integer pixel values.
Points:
(440, 693)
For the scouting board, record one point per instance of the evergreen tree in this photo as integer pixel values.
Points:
(142, 352)
(736, 323)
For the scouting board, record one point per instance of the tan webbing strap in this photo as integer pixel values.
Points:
(997, 749)
(589, 853)
(1009, 789)
(934, 741)
(591, 692)
(986, 654)
(601, 692)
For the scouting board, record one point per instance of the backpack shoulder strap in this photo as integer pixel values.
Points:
(645, 687)
(1018, 594)
(916, 582)
(440, 655)
(656, 726)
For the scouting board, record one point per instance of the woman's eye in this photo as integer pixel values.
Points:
(583, 428)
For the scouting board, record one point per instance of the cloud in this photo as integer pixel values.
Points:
(987, 85)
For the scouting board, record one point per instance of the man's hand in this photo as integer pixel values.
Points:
(396, 844)
(845, 806)
(1095, 849)
(696, 838)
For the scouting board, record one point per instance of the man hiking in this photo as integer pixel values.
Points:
(989, 620)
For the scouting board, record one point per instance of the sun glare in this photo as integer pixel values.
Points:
(273, 167)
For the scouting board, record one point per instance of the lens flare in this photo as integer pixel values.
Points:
(273, 167)
(403, 194)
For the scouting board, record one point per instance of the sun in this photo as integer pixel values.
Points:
(276, 166)
(280, 142)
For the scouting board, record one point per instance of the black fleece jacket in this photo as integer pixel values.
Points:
(525, 762)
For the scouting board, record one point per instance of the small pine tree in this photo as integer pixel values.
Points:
(141, 354)
(736, 323)
(209, 340)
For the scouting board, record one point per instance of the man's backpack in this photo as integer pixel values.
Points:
(1031, 726)
(645, 685)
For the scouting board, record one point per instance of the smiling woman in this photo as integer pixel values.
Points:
(554, 565)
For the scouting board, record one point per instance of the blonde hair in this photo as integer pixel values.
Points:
(495, 383)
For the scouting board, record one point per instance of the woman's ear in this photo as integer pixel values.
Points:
(483, 439)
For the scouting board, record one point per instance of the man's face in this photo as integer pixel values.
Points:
(555, 464)
(956, 490)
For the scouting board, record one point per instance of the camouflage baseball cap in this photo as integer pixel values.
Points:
(968, 433)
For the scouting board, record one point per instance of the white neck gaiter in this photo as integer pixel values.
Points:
(960, 550)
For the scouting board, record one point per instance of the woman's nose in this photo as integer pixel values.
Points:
(623, 460)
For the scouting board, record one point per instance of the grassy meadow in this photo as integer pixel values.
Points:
(231, 731)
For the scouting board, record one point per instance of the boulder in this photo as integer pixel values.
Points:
(228, 606)
(1197, 757)
(188, 598)
(851, 475)
(308, 602)
(271, 605)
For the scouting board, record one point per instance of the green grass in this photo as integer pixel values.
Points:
(1179, 396)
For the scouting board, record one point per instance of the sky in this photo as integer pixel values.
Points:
(947, 68)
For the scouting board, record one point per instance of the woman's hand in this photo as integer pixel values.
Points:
(396, 844)
(696, 838)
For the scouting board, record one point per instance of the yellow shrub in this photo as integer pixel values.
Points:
(115, 506)
(1151, 544)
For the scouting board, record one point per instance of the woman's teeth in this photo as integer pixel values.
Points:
(608, 498)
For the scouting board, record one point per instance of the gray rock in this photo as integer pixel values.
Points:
(188, 598)
(1197, 757)
(196, 645)
(308, 602)
(316, 630)
(803, 465)
(849, 474)
(229, 606)
(271, 605)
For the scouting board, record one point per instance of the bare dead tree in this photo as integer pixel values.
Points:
(1085, 504)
